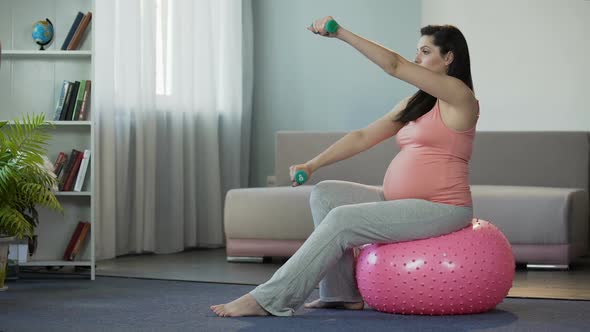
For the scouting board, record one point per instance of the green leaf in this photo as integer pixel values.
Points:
(14, 223)
(24, 183)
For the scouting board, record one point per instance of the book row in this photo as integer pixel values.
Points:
(71, 170)
(74, 101)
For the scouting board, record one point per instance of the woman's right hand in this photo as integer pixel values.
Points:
(319, 27)
(294, 168)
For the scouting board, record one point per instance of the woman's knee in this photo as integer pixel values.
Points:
(322, 192)
(338, 225)
(340, 218)
(325, 187)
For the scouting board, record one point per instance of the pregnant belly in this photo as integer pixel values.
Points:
(426, 175)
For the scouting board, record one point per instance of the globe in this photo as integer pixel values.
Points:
(43, 33)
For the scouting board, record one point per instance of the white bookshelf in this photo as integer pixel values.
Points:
(31, 83)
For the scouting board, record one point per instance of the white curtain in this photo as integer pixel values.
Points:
(173, 86)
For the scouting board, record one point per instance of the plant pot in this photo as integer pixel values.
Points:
(4, 243)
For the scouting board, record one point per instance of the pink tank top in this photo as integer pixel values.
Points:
(433, 163)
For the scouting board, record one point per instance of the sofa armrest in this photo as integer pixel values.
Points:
(535, 215)
(278, 213)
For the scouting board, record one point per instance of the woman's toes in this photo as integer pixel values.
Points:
(217, 309)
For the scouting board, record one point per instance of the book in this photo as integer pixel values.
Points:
(67, 168)
(59, 163)
(80, 240)
(72, 31)
(60, 101)
(64, 109)
(79, 99)
(69, 182)
(76, 39)
(85, 107)
(73, 240)
(82, 171)
(72, 102)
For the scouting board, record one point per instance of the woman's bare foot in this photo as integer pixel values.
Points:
(244, 306)
(318, 304)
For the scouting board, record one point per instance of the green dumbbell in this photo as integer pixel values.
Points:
(331, 26)
(300, 177)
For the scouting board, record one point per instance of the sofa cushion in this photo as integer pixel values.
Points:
(277, 213)
(534, 215)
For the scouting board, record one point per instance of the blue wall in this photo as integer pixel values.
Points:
(306, 82)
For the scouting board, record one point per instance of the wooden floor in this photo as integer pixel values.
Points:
(211, 266)
(565, 284)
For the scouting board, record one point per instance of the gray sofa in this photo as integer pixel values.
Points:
(531, 185)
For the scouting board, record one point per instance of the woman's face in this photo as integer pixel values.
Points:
(428, 55)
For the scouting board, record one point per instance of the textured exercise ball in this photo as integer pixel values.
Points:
(464, 272)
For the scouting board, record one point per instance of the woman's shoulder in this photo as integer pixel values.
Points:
(459, 118)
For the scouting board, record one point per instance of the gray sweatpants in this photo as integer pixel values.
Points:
(348, 215)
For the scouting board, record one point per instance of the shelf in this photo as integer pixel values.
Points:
(56, 263)
(71, 123)
(61, 123)
(73, 193)
(48, 53)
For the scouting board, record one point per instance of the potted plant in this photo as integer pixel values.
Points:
(26, 180)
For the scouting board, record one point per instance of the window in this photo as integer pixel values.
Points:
(163, 48)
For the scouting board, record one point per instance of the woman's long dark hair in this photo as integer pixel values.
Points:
(449, 39)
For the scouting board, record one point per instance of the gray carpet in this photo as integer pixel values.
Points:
(125, 304)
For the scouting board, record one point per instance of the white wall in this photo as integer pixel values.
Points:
(530, 60)
(306, 82)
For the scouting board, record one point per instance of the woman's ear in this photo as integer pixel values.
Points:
(449, 57)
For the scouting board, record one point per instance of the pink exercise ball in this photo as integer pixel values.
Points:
(464, 272)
